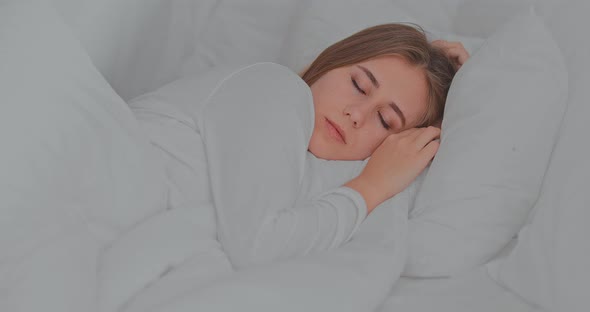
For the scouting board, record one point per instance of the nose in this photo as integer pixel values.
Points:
(357, 113)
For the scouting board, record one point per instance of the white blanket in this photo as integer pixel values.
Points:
(281, 213)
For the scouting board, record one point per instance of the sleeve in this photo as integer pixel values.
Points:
(358, 276)
(256, 126)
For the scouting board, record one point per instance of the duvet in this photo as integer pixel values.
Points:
(257, 222)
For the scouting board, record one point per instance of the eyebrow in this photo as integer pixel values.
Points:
(370, 75)
(399, 112)
(376, 84)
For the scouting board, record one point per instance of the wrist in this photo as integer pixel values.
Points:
(369, 193)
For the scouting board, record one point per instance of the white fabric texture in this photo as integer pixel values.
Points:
(472, 290)
(177, 250)
(548, 266)
(77, 170)
(501, 121)
(355, 277)
(318, 24)
(237, 23)
(322, 23)
(138, 45)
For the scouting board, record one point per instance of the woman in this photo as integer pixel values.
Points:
(374, 94)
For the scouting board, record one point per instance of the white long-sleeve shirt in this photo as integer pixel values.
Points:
(244, 147)
(273, 199)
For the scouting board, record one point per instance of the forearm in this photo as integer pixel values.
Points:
(323, 223)
(370, 193)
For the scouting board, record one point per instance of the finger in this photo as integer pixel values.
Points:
(439, 43)
(411, 136)
(407, 132)
(458, 53)
(452, 44)
(427, 154)
(425, 137)
(445, 45)
(454, 50)
(463, 57)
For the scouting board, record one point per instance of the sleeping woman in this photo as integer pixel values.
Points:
(294, 163)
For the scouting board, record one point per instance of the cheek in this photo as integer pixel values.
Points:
(371, 140)
(320, 98)
(329, 94)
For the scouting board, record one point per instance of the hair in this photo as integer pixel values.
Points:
(402, 40)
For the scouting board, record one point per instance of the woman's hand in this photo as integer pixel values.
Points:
(454, 50)
(395, 164)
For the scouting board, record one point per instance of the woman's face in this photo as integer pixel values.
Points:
(358, 106)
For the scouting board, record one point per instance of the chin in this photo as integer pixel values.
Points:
(319, 150)
(323, 150)
(317, 153)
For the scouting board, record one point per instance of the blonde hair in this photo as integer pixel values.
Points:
(402, 40)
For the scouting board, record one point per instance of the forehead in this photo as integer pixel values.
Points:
(401, 82)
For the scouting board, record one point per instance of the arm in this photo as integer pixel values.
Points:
(397, 162)
(255, 127)
(454, 50)
(357, 276)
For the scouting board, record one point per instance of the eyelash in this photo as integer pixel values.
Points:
(356, 85)
(385, 125)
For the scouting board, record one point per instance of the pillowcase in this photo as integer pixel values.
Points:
(241, 33)
(549, 264)
(138, 45)
(502, 117)
(76, 169)
(481, 18)
(316, 25)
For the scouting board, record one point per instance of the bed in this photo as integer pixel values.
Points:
(116, 233)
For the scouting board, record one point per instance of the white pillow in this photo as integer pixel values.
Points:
(241, 33)
(76, 169)
(481, 18)
(318, 24)
(502, 117)
(138, 45)
(549, 265)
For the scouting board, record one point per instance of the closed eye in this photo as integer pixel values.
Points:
(385, 125)
(356, 85)
(358, 88)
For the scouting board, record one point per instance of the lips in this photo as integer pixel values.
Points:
(335, 131)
